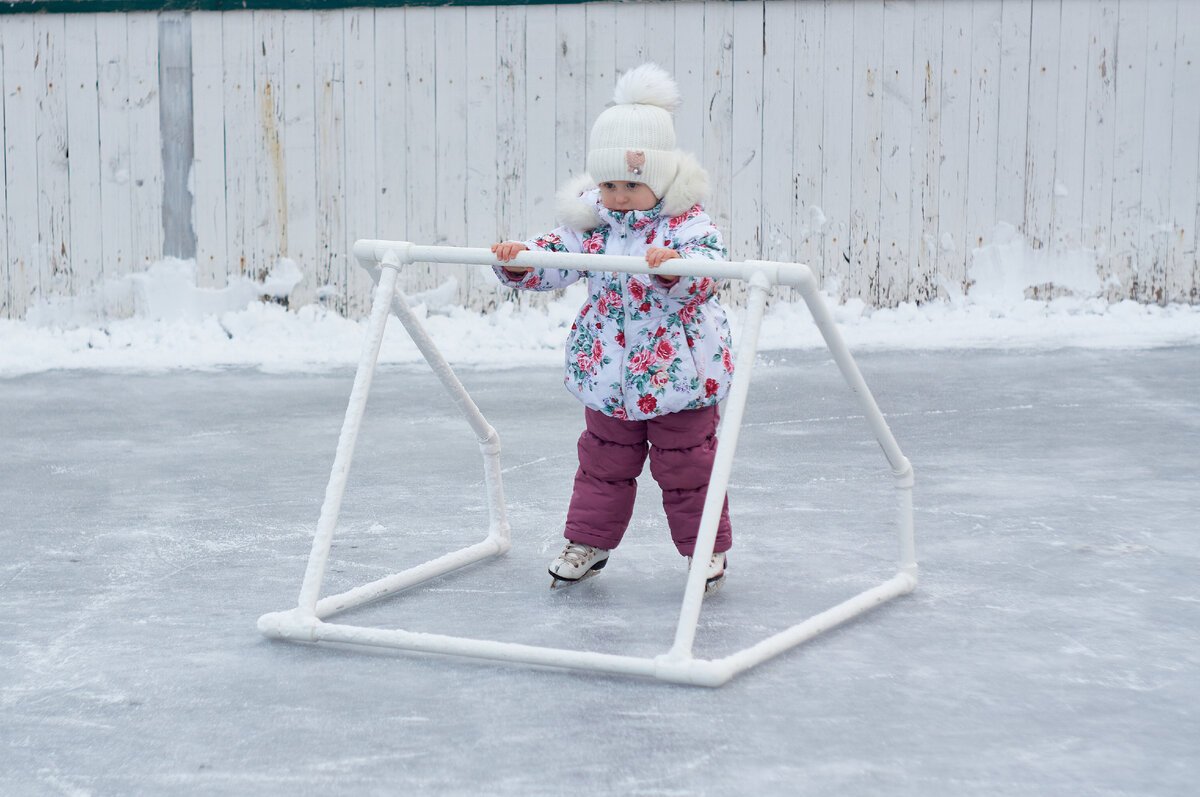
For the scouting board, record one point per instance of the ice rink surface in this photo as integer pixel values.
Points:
(1052, 647)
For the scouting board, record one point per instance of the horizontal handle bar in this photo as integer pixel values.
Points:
(370, 253)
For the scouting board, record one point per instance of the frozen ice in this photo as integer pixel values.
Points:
(1051, 648)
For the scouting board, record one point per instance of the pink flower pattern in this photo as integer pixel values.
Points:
(640, 361)
(593, 244)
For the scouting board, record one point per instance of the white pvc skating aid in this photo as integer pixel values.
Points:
(308, 621)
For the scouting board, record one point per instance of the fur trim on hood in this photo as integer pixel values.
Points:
(689, 187)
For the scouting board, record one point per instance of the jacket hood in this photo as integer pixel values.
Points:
(689, 187)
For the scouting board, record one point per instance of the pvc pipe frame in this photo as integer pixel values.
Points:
(306, 622)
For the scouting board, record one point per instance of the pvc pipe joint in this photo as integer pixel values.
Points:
(291, 624)
(686, 670)
(489, 444)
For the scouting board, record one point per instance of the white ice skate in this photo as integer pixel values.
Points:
(714, 575)
(577, 562)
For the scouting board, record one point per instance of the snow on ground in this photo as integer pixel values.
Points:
(177, 325)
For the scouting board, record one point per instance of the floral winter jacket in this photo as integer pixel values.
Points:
(640, 350)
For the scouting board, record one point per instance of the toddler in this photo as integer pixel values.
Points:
(649, 356)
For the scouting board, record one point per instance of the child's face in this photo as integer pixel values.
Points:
(627, 196)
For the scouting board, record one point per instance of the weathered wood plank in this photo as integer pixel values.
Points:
(83, 160)
(1129, 129)
(865, 131)
(1045, 30)
(983, 149)
(1185, 157)
(420, 29)
(299, 91)
(270, 223)
(836, 138)
(779, 139)
(1070, 129)
(450, 118)
(659, 41)
(510, 130)
(688, 69)
(20, 173)
(955, 131)
(241, 135)
(360, 101)
(482, 177)
(570, 112)
(483, 227)
(53, 187)
(746, 134)
(630, 44)
(897, 221)
(717, 147)
(927, 149)
(145, 141)
(116, 168)
(1192, 44)
(510, 122)
(330, 114)
(6, 309)
(208, 136)
(175, 126)
(808, 104)
(540, 117)
(601, 59)
(1012, 123)
(1154, 245)
(391, 165)
(1100, 140)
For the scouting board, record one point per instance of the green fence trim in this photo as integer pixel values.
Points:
(99, 6)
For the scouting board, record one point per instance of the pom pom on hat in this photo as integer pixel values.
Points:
(634, 140)
(648, 84)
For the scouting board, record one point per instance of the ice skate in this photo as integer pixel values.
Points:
(577, 562)
(714, 573)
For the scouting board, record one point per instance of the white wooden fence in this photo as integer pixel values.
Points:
(878, 140)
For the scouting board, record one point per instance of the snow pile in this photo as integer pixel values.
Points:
(1019, 298)
(165, 292)
(1010, 271)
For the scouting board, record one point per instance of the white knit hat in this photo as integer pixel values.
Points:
(634, 140)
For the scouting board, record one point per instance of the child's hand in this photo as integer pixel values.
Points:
(505, 252)
(656, 256)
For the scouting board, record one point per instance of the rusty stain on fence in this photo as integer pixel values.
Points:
(270, 130)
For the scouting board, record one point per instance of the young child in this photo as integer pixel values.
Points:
(649, 356)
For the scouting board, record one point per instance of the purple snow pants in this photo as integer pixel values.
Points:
(682, 447)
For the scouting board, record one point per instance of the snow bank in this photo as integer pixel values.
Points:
(172, 323)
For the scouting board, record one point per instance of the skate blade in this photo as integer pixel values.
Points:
(558, 582)
(714, 586)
